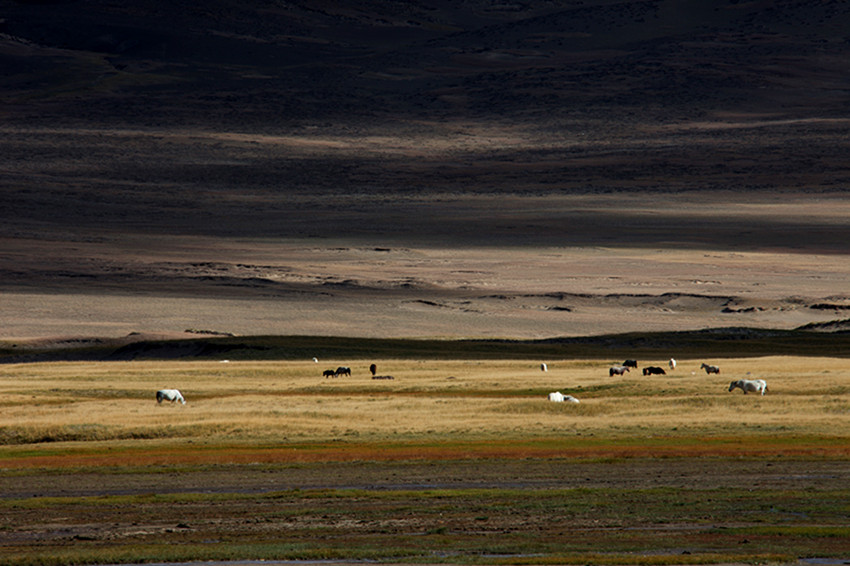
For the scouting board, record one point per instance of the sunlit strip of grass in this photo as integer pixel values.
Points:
(92, 432)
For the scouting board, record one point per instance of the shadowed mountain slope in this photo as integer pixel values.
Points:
(266, 62)
(265, 118)
(334, 161)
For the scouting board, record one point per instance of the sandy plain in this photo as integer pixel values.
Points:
(109, 255)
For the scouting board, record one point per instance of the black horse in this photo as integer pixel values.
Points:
(654, 370)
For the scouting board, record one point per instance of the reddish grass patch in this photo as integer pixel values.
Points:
(188, 454)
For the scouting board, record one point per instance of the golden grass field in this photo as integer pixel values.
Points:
(277, 403)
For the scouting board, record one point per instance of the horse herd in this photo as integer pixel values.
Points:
(341, 370)
(175, 396)
(345, 370)
(745, 385)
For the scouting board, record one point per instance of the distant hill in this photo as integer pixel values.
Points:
(263, 62)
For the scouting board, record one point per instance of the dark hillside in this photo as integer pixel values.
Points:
(264, 62)
(258, 154)
(149, 115)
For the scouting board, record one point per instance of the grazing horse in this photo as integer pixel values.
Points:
(544, 367)
(630, 364)
(617, 370)
(749, 385)
(710, 369)
(172, 395)
(672, 363)
(342, 370)
(558, 397)
(329, 373)
(654, 370)
(373, 368)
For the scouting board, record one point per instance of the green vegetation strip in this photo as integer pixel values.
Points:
(655, 526)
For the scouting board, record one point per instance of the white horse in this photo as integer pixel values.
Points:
(709, 369)
(617, 370)
(672, 363)
(558, 397)
(172, 395)
(544, 367)
(749, 385)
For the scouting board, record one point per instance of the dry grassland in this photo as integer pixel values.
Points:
(449, 462)
(275, 403)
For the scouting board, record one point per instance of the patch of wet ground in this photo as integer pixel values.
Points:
(666, 499)
(564, 473)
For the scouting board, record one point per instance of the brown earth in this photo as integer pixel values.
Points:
(422, 169)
